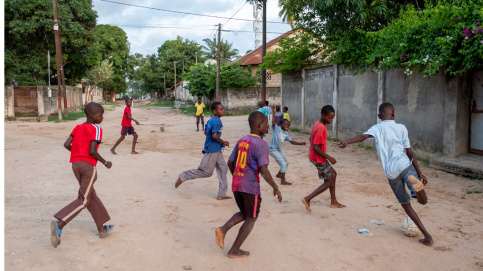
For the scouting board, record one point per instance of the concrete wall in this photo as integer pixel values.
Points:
(244, 99)
(435, 110)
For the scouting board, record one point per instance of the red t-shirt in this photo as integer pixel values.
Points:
(125, 120)
(318, 136)
(83, 135)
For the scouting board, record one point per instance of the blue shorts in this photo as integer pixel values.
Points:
(398, 185)
(127, 130)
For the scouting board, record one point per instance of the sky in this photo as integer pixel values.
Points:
(148, 28)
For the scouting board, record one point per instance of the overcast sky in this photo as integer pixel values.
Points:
(142, 25)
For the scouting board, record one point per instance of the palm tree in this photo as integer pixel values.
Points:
(211, 48)
(286, 12)
(227, 53)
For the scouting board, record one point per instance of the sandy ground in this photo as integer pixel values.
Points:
(159, 227)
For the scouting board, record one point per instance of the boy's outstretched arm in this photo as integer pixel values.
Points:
(320, 152)
(218, 139)
(355, 139)
(231, 166)
(412, 156)
(297, 143)
(268, 177)
(68, 142)
(129, 117)
(97, 156)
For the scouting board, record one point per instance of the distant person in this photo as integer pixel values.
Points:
(83, 144)
(262, 108)
(321, 160)
(269, 113)
(285, 113)
(277, 115)
(398, 161)
(280, 134)
(127, 128)
(248, 159)
(212, 154)
(199, 114)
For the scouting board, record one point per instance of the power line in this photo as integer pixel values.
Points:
(142, 48)
(182, 27)
(187, 13)
(236, 12)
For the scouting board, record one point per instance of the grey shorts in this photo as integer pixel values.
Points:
(398, 185)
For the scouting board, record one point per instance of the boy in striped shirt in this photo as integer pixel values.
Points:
(83, 144)
(249, 157)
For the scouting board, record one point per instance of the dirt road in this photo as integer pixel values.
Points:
(159, 227)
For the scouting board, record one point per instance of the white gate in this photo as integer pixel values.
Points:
(476, 132)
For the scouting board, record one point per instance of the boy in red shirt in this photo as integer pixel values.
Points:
(83, 144)
(320, 159)
(127, 128)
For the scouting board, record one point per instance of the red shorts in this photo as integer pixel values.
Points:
(248, 204)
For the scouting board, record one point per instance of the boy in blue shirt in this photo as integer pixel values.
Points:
(213, 157)
(398, 161)
(280, 134)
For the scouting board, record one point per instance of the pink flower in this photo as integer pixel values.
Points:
(478, 24)
(457, 19)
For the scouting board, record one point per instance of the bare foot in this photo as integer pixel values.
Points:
(134, 152)
(427, 241)
(238, 254)
(279, 175)
(285, 183)
(337, 205)
(415, 183)
(222, 198)
(220, 237)
(113, 152)
(178, 183)
(307, 205)
(104, 229)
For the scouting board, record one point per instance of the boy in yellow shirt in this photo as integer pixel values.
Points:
(285, 113)
(200, 110)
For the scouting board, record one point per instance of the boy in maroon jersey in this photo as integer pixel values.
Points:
(83, 144)
(249, 157)
(127, 128)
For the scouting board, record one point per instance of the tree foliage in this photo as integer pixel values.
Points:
(227, 52)
(202, 78)
(29, 35)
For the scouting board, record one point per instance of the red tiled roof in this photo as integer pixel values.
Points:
(255, 56)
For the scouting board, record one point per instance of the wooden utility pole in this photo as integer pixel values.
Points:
(218, 66)
(175, 94)
(165, 84)
(58, 56)
(264, 51)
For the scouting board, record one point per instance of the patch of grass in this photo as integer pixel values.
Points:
(477, 192)
(72, 116)
(238, 114)
(423, 161)
(20, 114)
(162, 104)
(474, 191)
(360, 145)
(110, 106)
(333, 139)
(295, 130)
(369, 148)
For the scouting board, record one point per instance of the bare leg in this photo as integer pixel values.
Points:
(428, 240)
(245, 229)
(134, 141)
(316, 192)
(178, 183)
(221, 232)
(418, 186)
(197, 126)
(333, 200)
(113, 149)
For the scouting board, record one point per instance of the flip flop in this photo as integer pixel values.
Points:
(108, 228)
(55, 234)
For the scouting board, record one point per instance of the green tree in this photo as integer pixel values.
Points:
(227, 52)
(29, 35)
(97, 75)
(287, 13)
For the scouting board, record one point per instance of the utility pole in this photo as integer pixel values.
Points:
(58, 55)
(196, 57)
(218, 66)
(165, 83)
(175, 94)
(264, 51)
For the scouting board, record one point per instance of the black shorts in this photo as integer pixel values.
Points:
(127, 130)
(198, 119)
(248, 204)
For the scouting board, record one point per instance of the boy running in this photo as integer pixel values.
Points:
(398, 161)
(200, 110)
(249, 157)
(321, 160)
(83, 144)
(127, 128)
(213, 157)
(280, 134)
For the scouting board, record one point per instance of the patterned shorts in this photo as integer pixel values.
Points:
(324, 169)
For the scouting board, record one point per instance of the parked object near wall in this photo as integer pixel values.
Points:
(435, 110)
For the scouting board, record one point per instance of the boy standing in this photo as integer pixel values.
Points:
(319, 157)
(277, 115)
(83, 144)
(285, 113)
(280, 134)
(200, 110)
(127, 128)
(269, 113)
(249, 157)
(213, 157)
(398, 161)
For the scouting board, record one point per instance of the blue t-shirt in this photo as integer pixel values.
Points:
(213, 125)
(264, 111)
(278, 137)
